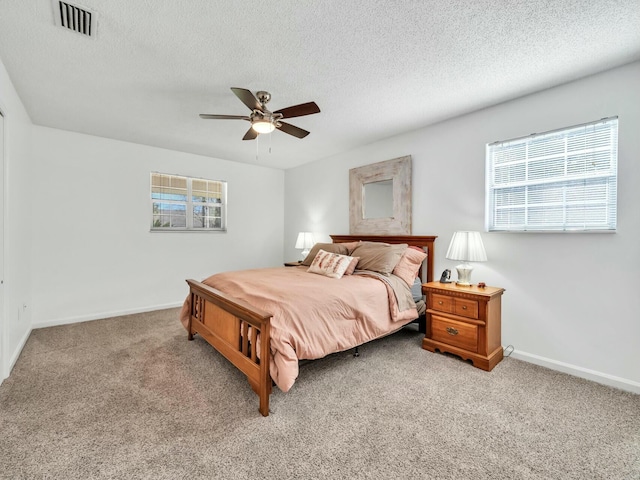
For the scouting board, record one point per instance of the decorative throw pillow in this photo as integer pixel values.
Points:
(329, 264)
(409, 264)
(341, 248)
(352, 266)
(378, 257)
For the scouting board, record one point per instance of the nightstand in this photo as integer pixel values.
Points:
(293, 264)
(464, 321)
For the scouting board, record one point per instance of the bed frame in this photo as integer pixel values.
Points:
(234, 327)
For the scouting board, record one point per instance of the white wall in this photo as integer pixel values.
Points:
(93, 253)
(15, 324)
(570, 298)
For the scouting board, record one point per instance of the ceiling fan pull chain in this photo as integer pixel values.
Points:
(270, 133)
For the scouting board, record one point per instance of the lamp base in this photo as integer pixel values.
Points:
(304, 254)
(464, 274)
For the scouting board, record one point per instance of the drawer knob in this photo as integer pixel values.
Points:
(464, 307)
(440, 302)
(452, 331)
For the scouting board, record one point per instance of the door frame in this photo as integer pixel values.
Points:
(3, 248)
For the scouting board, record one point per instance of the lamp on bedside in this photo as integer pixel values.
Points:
(467, 247)
(305, 241)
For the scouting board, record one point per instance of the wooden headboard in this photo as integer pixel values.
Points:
(424, 242)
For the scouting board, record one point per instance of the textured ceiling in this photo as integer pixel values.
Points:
(375, 68)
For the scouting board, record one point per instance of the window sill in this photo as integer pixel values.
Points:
(187, 230)
(552, 231)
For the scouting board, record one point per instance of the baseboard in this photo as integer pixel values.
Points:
(593, 375)
(103, 315)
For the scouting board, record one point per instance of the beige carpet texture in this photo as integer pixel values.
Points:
(130, 397)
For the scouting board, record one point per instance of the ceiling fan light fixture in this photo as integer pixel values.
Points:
(263, 126)
(263, 120)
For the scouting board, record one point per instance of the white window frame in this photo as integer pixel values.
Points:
(545, 183)
(189, 205)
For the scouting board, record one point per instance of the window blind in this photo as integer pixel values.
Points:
(563, 180)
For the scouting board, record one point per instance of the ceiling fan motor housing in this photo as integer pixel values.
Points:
(266, 116)
(263, 97)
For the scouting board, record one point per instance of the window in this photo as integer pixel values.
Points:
(184, 203)
(564, 180)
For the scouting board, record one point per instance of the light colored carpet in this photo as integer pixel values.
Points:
(130, 397)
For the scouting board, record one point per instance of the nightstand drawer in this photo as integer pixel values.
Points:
(465, 308)
(457, 334)
(442, 303)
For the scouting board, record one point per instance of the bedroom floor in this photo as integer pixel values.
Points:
(130, 397)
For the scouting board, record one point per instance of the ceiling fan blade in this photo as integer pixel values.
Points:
(247, 98)
(299, 110)
(223, 117)
(250, 135)
(292, 130)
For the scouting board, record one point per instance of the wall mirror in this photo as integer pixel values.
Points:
(380, 198)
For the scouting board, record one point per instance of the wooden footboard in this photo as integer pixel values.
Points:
(234, 329)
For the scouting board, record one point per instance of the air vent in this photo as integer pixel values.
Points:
(75, 18)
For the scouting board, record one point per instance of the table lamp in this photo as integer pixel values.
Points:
(467, 247)
(305, 241)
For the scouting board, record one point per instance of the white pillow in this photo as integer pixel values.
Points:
(332, 265)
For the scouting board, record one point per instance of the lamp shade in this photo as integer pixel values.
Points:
(305, 240)
(467, 247)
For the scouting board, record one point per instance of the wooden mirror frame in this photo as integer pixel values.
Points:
(398, 170)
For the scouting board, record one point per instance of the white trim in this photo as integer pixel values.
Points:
(593, 375)
(103, 315)
(4, 368)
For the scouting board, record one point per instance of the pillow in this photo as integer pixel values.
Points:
(332, 265)
(341, 248)
(416, 290)
(327, 247)
(409, 264)
(378, 257)
(352, 266)
(349, 246)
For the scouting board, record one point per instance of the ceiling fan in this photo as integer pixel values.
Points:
(264, 121)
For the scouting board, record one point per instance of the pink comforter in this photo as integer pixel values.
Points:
(314, 315)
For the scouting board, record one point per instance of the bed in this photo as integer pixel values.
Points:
(264, 328)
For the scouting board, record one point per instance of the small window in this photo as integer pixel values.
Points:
(564, 180)
(185, 203)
